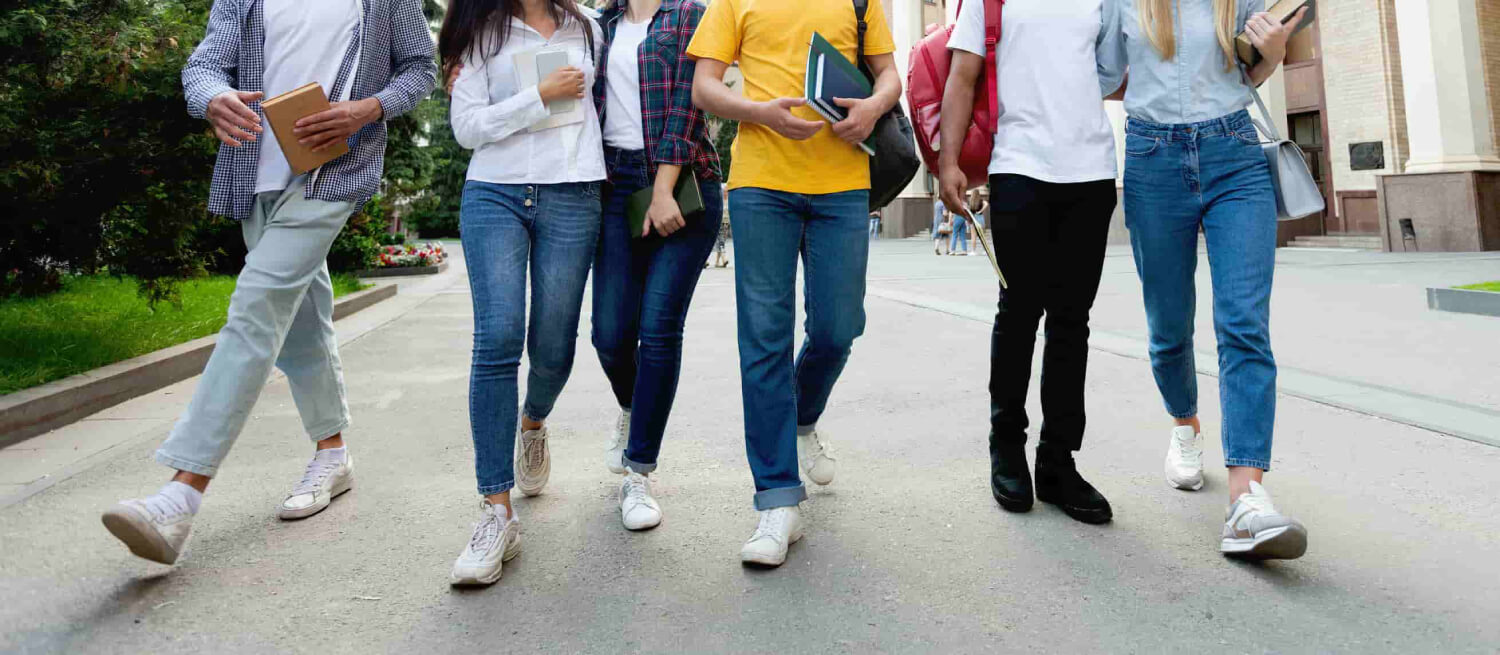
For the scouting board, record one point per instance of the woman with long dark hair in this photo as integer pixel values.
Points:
(644, 278)
(531, 203)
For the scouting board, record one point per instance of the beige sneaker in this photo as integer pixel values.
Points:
(496, 540)
(816, 458)
(779, 528)
(154, 528)
(533, 461)
(1254, 529)
(328, 475)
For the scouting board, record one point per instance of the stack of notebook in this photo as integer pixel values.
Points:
(1282, 11)
(830, 75)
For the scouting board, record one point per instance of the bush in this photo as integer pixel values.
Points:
(357, 247)
(434, 212)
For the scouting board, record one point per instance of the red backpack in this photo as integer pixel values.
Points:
(927, 74)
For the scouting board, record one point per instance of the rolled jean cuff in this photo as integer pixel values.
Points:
(1190, 413)
(493, 489)
(1264, 465)
(184, 465)
(638, 467)
(319, 435)
(529, 412)
(780, 497)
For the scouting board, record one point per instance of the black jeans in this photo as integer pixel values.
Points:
(1049, 241)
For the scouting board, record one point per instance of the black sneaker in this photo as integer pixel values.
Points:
(1058, 482)
(1010, 477)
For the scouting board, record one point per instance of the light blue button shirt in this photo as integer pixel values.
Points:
(1192, 87)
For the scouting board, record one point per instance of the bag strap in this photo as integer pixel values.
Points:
(860, 6)
(1265, 124)
(993, 9)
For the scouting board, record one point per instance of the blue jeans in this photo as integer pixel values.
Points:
(1210, 174)
(959, 241)
(507, 228)
(642, 288)
(771, 230)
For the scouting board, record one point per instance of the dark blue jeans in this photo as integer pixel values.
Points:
(772, 229)
(508, 229)
(1212, 175)
(642, 288)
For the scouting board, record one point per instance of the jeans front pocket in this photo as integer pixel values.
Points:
(1137, 145)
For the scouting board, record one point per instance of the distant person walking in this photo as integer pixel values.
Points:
(1193, 161)
(875, 225)
(980, 207)
(940, 226)
(374, 61)
(958, 240)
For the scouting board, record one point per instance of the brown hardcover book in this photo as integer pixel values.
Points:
(283, 112)
(1281, 10)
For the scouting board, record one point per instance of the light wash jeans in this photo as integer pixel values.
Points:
(772, 229)
(281, 314)
(1210, 174)
(551, 231)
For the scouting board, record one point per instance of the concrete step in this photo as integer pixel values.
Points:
(1351, 242)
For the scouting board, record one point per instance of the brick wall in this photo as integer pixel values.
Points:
(1360, 98)
(1489, 45)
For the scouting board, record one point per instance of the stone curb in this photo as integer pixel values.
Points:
(402, 270)
(30, 412)
(1464, 301)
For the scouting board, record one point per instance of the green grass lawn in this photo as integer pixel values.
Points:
(1483, 286)
(98, 320)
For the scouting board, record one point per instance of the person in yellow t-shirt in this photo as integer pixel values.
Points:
(797, 186)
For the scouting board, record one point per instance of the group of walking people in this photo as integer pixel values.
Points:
(547, 206)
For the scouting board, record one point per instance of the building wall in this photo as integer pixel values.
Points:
(1489, 45)
(1359, 99)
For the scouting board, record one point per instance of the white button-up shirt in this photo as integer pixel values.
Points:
(490, 114)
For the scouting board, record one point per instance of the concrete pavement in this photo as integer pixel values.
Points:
(906, 551)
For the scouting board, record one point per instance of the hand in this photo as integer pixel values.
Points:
(856, 127)
(337, 123)
(664, 214)
(777, 115)
(565, 82)
(453, 77)
(952, 183)
(1269, 36)
(233, 120)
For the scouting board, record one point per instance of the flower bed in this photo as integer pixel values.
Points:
(410, 255)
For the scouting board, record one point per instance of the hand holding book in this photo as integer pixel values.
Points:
(856, 127)
(777, 115)
(337, 123)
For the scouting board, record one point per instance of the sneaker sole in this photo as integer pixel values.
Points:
(1289, 542)
(138, 535)
(756, 560)
(295, 514)
(464, 581)
(1185, 485)
(1080, 514)
(614, 461)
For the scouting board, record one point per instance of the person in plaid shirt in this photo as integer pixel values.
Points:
(374, 59)
(643, 282)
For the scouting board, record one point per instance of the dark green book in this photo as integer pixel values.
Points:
(689, 201)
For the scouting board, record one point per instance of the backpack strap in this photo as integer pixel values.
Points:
(860, 6)
(993, 9)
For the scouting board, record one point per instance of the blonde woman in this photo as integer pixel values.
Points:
(1193, 160)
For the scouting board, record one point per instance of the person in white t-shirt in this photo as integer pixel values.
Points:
(1052, 193)
(644, 278)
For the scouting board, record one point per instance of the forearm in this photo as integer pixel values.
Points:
(958, 109)
(666, 178)
(887, 88)
(1263, 70)
(711, 95)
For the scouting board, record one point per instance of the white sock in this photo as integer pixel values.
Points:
(336, 454)
(183, 495)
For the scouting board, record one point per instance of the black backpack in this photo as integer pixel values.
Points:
(895, 162)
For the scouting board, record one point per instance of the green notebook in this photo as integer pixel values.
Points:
(689, 201)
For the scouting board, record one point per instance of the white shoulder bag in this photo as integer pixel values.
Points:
(1297, 193)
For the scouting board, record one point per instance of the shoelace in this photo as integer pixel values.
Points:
(770, 526)
(486, 531)
(1189, 455)
(636, 491)
(532, 451)
(162, 506)
(317, 471)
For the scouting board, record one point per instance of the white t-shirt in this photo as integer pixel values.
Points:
(622, 103)
(1052, 125)
(306, 41)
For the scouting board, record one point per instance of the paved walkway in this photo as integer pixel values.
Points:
(906, 551)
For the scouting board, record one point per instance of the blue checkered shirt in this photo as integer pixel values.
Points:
(396, 66)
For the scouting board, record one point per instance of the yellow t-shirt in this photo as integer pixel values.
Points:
(770, 39)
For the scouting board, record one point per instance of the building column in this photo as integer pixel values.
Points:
(1447, 108)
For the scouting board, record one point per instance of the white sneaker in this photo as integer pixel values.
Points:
(329, 474)
(779, 528)
(638, 509)
(496, 540)
(533, 461)
(816, 458)
(1254, 529)
(155, 527)
(1185, 459)
(614, 456)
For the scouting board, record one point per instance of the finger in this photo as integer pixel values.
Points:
(225, 138)
(249, 96)
(845, 102)
(325, 115)
(1297, 18)
(328, 143)
(322, 135)
(238, 112)
(788, 103)
(315, 128)
(234, 130)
